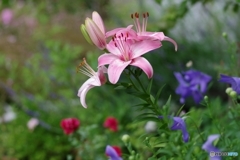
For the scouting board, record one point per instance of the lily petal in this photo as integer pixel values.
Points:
(123, 30)
(142, 63)
(172, 41)
(82, 94)
(98, 20)
(90, 83)
(85, 84)
(101, 75)
(113, 49)
(157, 36)
(106, 59)
(115, 69)
(142, 47)
(152, 35)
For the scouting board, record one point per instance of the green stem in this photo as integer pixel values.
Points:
(131, 81)
(137, 78)
(197, 129)
(154, 106)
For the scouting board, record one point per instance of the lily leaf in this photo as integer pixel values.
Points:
(158, 94)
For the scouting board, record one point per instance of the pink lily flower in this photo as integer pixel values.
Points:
(124, 52)
(143, 34)
(96, 30)
(96, 79)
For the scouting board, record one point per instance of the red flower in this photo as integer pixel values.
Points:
(70, 125)
(118, 150)
(111, 123)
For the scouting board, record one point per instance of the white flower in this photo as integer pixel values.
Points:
(32, 123)
(150, 126)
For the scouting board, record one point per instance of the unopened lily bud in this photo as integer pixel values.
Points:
(125, 138)
(228, 90)
(85, 34)
(95, 33)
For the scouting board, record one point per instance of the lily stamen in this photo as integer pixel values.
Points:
(137, 24)
(84, 68)
(145, 19)
(122, 45)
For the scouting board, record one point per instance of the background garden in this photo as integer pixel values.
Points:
(41, 45)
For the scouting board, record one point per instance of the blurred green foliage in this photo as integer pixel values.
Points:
(49, 94)
(45, 86)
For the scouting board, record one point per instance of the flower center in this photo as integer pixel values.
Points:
(123, 44)
(137, 24)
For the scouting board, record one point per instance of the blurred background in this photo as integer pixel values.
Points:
(41, 46)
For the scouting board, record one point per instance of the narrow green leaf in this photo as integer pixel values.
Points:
(142, 108)
(168, 101)
(140, 95)
(149, 86)
(158, 94)
(160, 145)
(123, 85)
(164, 151)
(141, 104)
(152, 158)
(119, 87)
(146, 114)
(179, 110)
(147, 119)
